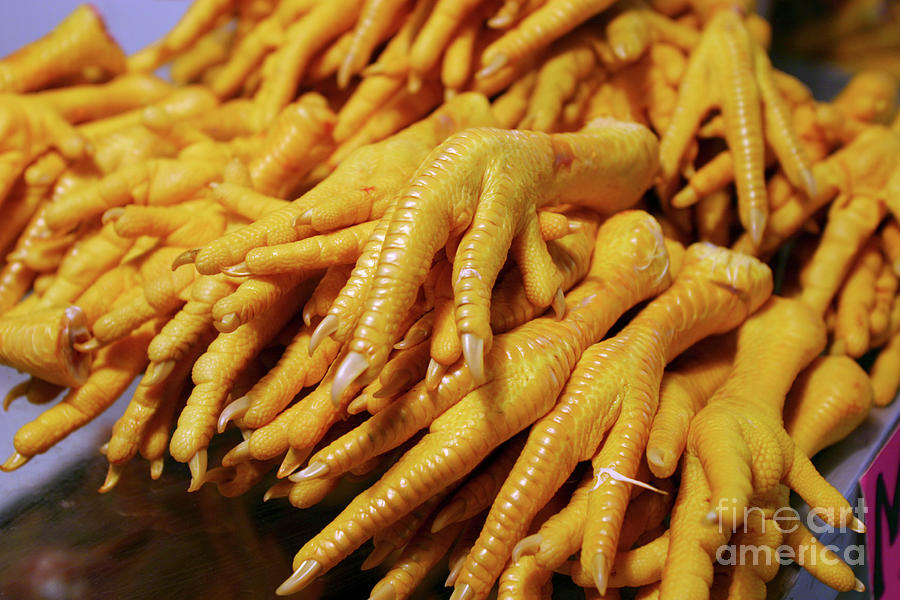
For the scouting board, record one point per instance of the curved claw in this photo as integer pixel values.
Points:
(17, 391)
(434, 374)
(473, 352)
(326, 327)
(353, 365)
(197, 465)
(156, 468)
(239, 270)
(235, 410)
(313, 471)
(302, 577)
(527, 546)
(14, 461)
(282, 489)
(289, 464)
(157, 371)
(185, 258)
(112, 478)
(228, 323)
(87, 346)
(559, 305)
(377, 556)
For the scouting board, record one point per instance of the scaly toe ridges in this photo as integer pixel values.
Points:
(235, 410)
(324, 329)
(353, 365)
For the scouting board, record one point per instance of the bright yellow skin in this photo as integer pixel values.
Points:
(114, 369)
(684, 390)
(462, 187)
(194, 64)
(856, 303)
(77, 43)
(252, 298)
(885, 373)
(465, 427)
(356, 192)
(738, 445)
(698, 304)
(80, 103)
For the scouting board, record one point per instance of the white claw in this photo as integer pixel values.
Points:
(473, 351)
(235, 410)
(197, 465)
(327, 326)
(353, 365)
(157, 371)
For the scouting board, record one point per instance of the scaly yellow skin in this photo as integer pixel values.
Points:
(738, 444)
(524, 579)
(78, 42)
(467, 185)
(214, 374)
(856, 303)
(113, 371)
(253, 297)
(714, 291)
(152, 182)
(237, 198)
(374, 17)
(80, 103)
(416, 409)
(194, 64)
(631, 33)
(432, 39)
(684, 390)
(356, 192)
(632, 266)
(298, 140)
(28, 129)
(886, 285)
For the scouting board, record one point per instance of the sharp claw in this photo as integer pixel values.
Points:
(327, 326)
(462, 592)
(312, 471)
(601, 573)
(455, 570)
(185, 258)
(156, 372)
(156, 468)
(527, 546)
(353, 365)
(18, 390)
(809, 183)
(104, 448)
(859, 586)
(197, 465)
(235, 410)
(559, 304)
(112, 478)
(378, 556)
(857, 525)
(303, 576)
(238, 454)
(473, 351)
(282, 489)
(492, 67)
(757, 225)
(219, 475)
(413, 337)
(500, 22)
(449, 514)
(227, 323)
(14, 461)
(239, 270)
(292, 460)
(434, 375)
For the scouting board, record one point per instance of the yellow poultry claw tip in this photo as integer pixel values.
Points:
(527, 546)
(324, 329)
(860, 586)
(14, 461)
(383, 592)
(238, 270)
(312, 471)
(112, 478)
(378, 556)
(497, 63)
(303, 576)
(228, 323)
(292, 460)
(235, 410)
(455, 571)
(304, 218)
(601, 573)
(462, 592)
(559, 305)
(450, 514)
(353, 365)
(434, 374)
(87, 345)
(156, 468)
(112, 214)
(197, 465)
(157, 372)
(282, 489)
(185, 258)
(473, 351)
